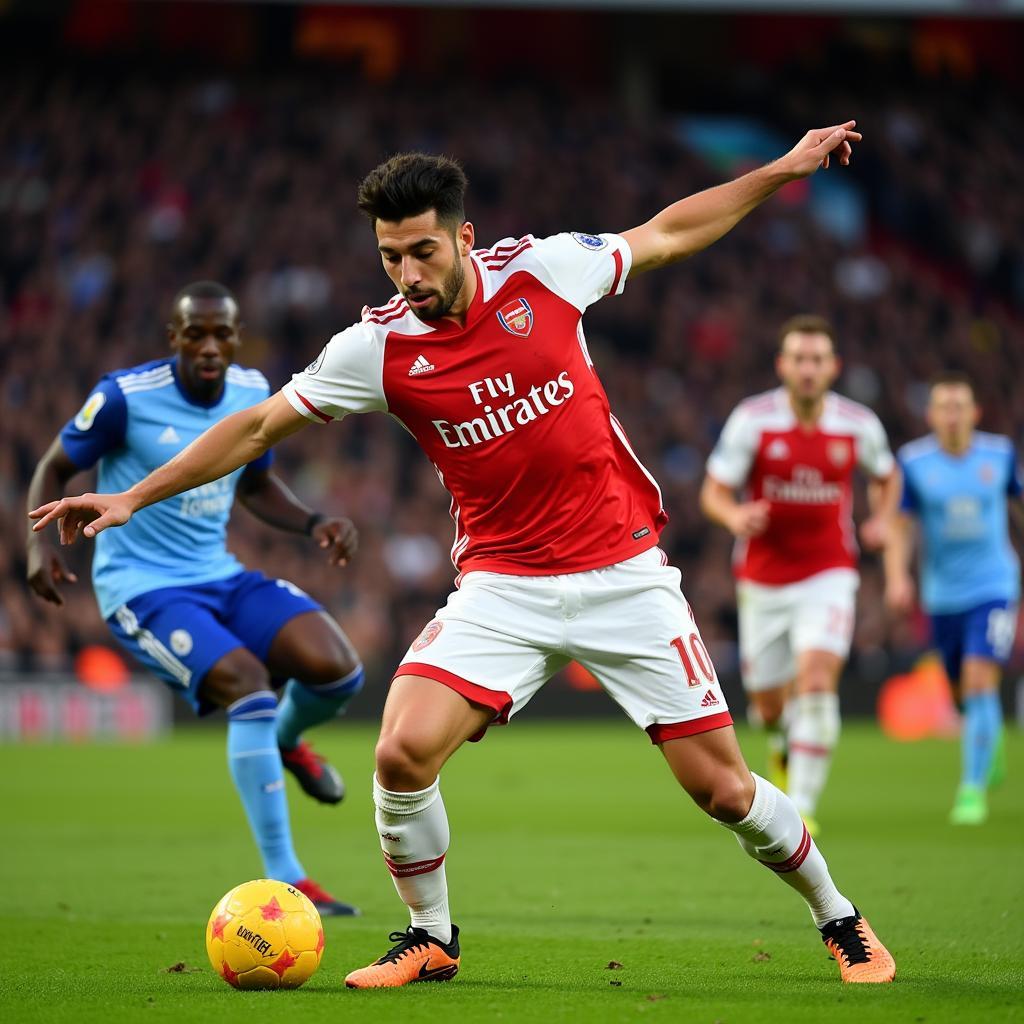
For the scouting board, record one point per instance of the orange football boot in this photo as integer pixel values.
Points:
(855, 947)
(417, 957)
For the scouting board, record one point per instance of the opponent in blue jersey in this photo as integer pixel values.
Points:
(180, 602)
(957, 482)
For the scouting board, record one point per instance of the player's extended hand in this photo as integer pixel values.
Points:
(87, 514)
(816, 148)
(750, 519)
(899, 594)
(874, 533)
(46, 569)
(339, 537)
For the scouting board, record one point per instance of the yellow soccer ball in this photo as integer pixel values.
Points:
(265, 934)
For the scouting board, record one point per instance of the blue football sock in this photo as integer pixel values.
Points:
(304, 706)
(983, 719)
(255, 764)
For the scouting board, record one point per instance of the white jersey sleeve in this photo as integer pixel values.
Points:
(874, 456)
(585, 268)
(733, 455)
(346, 377)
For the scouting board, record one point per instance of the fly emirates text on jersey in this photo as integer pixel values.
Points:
(503, 419)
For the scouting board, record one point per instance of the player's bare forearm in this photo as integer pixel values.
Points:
(899, 546)
(884, 495)
(51, 476)
(717, 502)
(694, 223)
(899, 585)
(268, 498)
(45, 569)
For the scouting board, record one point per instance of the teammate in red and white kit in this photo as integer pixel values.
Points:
(794, 451)
(482, 357)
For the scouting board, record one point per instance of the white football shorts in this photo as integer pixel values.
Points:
(500, 638)
(777, 624)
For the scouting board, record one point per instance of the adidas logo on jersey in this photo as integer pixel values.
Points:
(169, 436)
(778, 449)
(709, 701)
(421, 366)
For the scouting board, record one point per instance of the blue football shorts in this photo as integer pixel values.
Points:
(985, 631)
(180, 633)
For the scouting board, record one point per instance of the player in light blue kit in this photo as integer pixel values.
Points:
(957, 482)
(180, 602)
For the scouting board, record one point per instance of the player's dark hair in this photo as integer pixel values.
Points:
(951, 377)
(807, 323)
(412, 183)
(202, 290)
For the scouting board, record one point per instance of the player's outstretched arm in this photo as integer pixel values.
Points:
(235, 441)
(695, 222)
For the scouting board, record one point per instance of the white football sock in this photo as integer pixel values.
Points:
(774, 834)
(413, 830)
(813, 733)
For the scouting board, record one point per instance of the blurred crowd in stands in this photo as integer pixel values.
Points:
(117, 190)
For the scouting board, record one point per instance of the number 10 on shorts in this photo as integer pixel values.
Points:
(692, 652)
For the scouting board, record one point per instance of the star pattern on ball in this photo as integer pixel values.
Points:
(283, 962)
(218, 925)
(272, 911)
(319, 941)
(230, 976)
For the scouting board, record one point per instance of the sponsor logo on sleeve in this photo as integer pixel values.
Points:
(592, 242)
(516, 317)
(87, 416)
(317, 363)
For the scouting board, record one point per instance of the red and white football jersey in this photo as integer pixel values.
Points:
(806, 475)
(508, 408)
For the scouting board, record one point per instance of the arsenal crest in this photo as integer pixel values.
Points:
(838, 452)
(430, 633)
(517, 318)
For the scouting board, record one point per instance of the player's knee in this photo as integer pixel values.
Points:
(816, 679)
(225, 686)
(322, 668)
(728, 797)
(402, 763)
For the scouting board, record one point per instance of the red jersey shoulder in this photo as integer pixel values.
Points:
(500, 255)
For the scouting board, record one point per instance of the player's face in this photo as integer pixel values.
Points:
(205, 333)
(807, 365)
(426, 262)
(952, 413)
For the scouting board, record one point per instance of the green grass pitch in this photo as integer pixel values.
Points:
(571, 849)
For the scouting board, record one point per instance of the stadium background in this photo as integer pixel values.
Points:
(143, 145)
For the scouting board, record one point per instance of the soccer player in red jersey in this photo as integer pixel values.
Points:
(482, 357)
(794, 451)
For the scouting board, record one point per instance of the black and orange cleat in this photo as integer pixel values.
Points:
(315, 775)
(325, 903)
(417, 957)
(855, 947)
